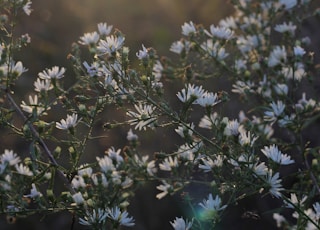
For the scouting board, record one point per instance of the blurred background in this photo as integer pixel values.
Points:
(55, 25)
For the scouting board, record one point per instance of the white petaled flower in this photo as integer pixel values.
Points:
(273, 153)
(211, 205)
(242, 87)
(27, 8)
(208, 164)
(149, 166)
(157, 70)
(286, 28)
(78, 198)
(220, 32)
(144, 116)
(185, 130)
(277, 56)
(228, 22)
(9, 157)
(121, 217)
(78, 182)
(89, 38)
(143, 54)
(276, 110)
(94, 217)
(281, 89)
(103, 180)
(296, 73)
(246, 138)
(274, 182)
(215, 50)
(188, 28)
(169, 163)
(34, 106)
(104, 29)
(110, 45)
(304, 104)
(53, 73)
(260, 169)
(232, 128)
(209, 122)
(115, 155)
(85, 170)
(70, 122)
(279, 219)
(181, 224)
(106, 164)
(208, 99)
(294, 201)
(17, 69)
(177, 47)
(165, 188)
(298, 51)
(42, 85)
(34, 192)
(190, 92)
(23, 170)
(131, 136)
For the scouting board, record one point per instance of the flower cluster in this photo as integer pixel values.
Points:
(249, 138)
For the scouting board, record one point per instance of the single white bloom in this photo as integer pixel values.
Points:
(169, 163)
(165, 188)
(53, 73)
(181, 224)
(9, 157)
(78, 198)
(27, 8)
(220, 32)
(185, 130)
(228, 22)
(208, 164)
(299, 51)
(190, 92)
(260, 169)
(78, 182)
(106, 164)
(286, 27)
(277, 56)
(131, 136)
(275, 184)
(188, 28)
(85, 170)
(143, 117)
(34, 192)
(279, 219)
(89, 38)
(177, 47)
(96, 217)
(288, 4)
(42, 85)
(294, 201)
(23, 170)
(215, 50)
(208, 99)
(121, 217)
(115, 155)
(157, 70)
(110, 45)
(104, 29)
(70, 122)
(273, 153)
(143, 54)
(232, 128)
(212, 205)
(209, 122)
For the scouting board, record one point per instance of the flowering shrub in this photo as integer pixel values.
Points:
(264, 149)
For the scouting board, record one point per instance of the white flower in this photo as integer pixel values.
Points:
(242, 87)
(190, 92)
(177, 47)
(165, 188)
(78, 198)
(70, 122)
(298, 51)
(260, 169)
(169, 163)
(149, 166)
(9, 157)
(85, 170)
(294, 201)
(26, 8)
(144, 116)
(131, 136)
(188, 28)
(215, 50)
(23, 170)
(228, 22)
(274, 183)
(286, 27)
(121, 217)
(17, 69)
(185, 130)
(279, 219)
(246, 138)
(220, 32)
(104, 29)
(181, 224)
(277, 56)
(304, 104)
(273, 153)
(208, 99)
(211, 206)
(110, 45)
(53, 73)
(209, 122)
(89, 38)
(42, 85)
(143, 54)
(115, 155)
(276, 110)
(34, 192)
(78, 182)
(96, 217)
(98, 181)
(209, 164)
(232, 128)
(296, 73)
(105, 164)
(281, 89)
(157, 70)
